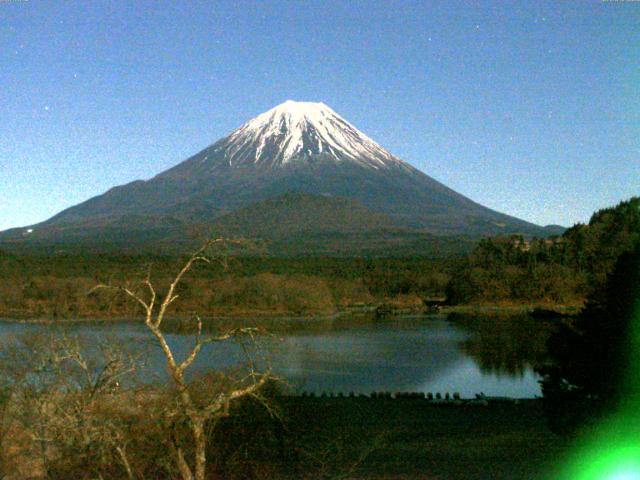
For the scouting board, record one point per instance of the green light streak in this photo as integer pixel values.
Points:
(612, 450)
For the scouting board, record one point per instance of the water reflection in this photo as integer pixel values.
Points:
(505, 345)
(379, 357)
(424, 353)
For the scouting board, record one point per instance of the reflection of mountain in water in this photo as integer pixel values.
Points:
(504, 345)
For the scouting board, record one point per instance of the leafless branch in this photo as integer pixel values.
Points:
(197, 413)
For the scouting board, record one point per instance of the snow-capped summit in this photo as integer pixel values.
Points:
(298, 168)
(301, 131)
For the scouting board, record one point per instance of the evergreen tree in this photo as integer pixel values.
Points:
(591, 359)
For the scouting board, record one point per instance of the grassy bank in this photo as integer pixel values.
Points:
(415, 439)
(361, 438)
(513, 309)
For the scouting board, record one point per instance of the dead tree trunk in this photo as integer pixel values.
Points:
(197, 415)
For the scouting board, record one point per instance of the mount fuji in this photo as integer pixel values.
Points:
(298, 171)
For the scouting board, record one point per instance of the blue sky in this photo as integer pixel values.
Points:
(530, 108)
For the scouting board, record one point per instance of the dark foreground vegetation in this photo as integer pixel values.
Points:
(280, 437)
(594, 359)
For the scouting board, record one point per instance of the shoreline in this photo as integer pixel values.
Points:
(379, 311)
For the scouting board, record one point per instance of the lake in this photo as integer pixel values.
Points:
(426, 353)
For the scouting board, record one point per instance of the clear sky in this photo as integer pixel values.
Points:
(531, 108)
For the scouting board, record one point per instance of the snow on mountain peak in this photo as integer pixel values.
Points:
(302, 131)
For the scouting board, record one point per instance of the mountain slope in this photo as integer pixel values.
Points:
(301, 213)
(298, 224)
(295, 147)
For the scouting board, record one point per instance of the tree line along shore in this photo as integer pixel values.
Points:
(509, 273)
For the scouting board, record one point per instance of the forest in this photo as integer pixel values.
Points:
(509, 270)
(558, 270)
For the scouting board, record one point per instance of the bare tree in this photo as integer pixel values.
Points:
(59, 390)
(340, 456)
(196, 411)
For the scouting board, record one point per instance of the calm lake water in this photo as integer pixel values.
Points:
(407, 353)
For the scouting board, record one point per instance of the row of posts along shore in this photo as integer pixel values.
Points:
(437, 398)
